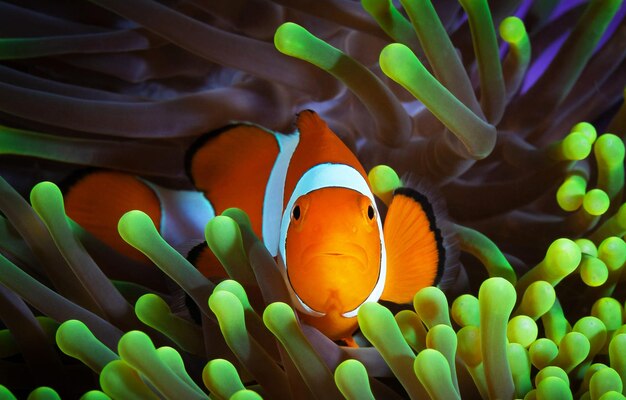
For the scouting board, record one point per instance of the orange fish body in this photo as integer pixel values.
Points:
(309, 199)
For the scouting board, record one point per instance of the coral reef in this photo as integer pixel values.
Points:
(513, 111)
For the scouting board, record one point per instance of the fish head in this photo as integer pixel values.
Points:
(333, 249)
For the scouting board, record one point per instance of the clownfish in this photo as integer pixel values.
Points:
(309, 200)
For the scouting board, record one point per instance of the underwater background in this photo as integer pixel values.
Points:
(513, 111)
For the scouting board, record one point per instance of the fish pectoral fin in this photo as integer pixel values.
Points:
(206, 262)
(96, 199)
(350, 342)
(414, 245)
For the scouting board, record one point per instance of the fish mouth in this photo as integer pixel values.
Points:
(323, 278)
(341, 249)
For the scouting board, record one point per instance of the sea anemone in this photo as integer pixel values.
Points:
(520, 133)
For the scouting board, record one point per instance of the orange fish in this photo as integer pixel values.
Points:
(310, 201)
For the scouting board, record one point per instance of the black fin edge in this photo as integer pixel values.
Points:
(445, 235)
(76, 176)
(190, 304)
(299, 115)
(306, 110)
(201, 141)
(195, 252)
(206, 137)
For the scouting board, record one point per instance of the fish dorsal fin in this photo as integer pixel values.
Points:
(414, 243)
(96, 199)
(318, 145)
(231, 166)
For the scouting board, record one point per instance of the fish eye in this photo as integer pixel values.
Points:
(296, 213)
(370, 212)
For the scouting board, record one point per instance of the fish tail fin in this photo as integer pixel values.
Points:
(96, 199)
